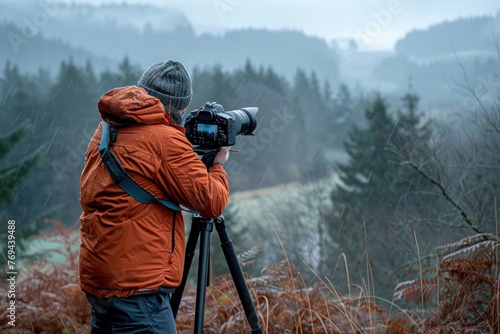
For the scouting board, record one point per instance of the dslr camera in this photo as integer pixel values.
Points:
(210, 127)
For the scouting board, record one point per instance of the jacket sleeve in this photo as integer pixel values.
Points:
(184, 177)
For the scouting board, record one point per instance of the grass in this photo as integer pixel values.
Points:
(460, 294)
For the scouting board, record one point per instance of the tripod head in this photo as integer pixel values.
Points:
(207, 155)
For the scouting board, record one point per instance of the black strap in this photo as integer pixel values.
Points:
(121, 177)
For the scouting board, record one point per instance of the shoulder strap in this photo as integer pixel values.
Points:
(121, 177)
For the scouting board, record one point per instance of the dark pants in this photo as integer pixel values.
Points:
(147, 313)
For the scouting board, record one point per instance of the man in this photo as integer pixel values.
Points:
(132, 254)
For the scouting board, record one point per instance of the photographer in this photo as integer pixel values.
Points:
(132, 254)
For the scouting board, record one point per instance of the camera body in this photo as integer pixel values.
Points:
(212, 127)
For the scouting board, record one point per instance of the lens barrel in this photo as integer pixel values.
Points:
(245, 120)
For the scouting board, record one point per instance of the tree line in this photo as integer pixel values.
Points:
(408, 185)
(404, 183)
(58, 112)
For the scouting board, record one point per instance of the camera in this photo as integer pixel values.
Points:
(212, 127)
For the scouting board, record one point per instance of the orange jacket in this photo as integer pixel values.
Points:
(125, 245)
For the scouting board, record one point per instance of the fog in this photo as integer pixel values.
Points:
(379, 117)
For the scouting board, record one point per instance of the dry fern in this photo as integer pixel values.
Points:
(48, 298)
(285, 305)
(465, 288)
(461, 295)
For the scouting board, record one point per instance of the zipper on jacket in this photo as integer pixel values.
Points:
(171, 257)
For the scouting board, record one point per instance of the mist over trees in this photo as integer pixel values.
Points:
(103, 31)
(396, 168)
(375, 179)
(464, 34)
(145, 33)
(61, 109)
(408, 184)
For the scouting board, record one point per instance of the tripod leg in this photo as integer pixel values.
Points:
(175, 301)
(205, 229)
(237, 275)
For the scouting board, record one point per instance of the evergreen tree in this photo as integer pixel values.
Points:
(19, 95)
(327, 92)
(305, 124)
(10, 176)
(22, 117)
(221, 89)
(127, 73)
(374, 190)
(71, 91)
(249, 72)
(343, 103)
(363, 186)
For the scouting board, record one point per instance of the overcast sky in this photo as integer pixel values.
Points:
(383, 21)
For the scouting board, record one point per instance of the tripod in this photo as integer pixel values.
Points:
(202, 227)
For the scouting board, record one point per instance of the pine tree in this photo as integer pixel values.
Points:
(375, 189)
(306, 125)
(10, 176)
(363, 186)
(127, 73)
(21, 101)
(71, 90)
(221, 89)
(343, 104)
(249, 72)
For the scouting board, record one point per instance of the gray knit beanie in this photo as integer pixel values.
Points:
(169, 82)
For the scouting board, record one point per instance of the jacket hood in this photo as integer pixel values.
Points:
(132, 105)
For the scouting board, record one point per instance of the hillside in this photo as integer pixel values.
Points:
(440, 55)
(471, 34)
(38, 52)
(105, 34)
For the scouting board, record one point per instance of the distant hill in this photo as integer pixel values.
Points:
(433, 59)
(146, 34)
(473, 34)
(37, 52)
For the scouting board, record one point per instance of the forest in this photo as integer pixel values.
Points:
(394, 209)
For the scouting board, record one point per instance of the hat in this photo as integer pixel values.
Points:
(169, 82)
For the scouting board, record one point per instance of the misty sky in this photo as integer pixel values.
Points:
(378, 24)
(329, 19)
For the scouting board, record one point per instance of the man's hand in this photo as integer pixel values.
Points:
(223, 155)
